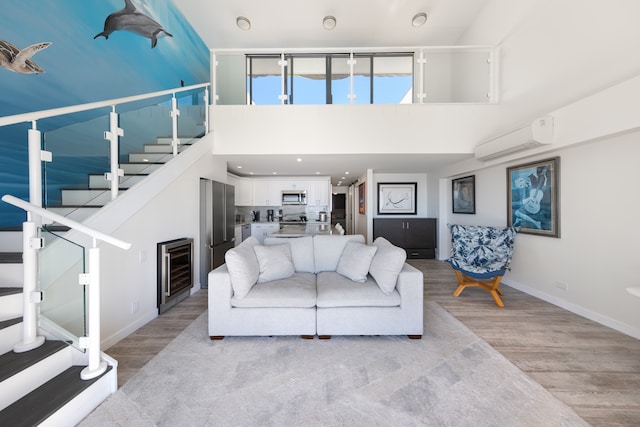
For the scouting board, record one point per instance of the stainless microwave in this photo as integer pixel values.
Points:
(292, 197)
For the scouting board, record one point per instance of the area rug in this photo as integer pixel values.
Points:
(450, 377)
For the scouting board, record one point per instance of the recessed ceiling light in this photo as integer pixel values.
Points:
(243, 23)
(419, 19)
(275, 173)
(299, 159)
(343, 178)
(329, 22)
(346, 173)
(317, 173)
(239, 167)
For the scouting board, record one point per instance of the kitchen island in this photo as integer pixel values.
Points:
(301, 230)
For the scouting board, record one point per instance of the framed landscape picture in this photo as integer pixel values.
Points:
(463, 195)
(532, 197)
(397, 198)
(361, 199)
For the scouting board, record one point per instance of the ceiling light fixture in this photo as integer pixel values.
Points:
(243, 23)
(329, 22)
(419, 19)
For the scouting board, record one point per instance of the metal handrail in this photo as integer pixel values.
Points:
(30, 207)
(43, 114)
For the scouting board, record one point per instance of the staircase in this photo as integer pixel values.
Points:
(41, 386)
(79, 204)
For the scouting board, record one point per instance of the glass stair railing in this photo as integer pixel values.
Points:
(75, 181)
(63, 309)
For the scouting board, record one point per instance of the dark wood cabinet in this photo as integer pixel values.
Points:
(416, 235)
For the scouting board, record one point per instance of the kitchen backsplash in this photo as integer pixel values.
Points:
(312, 212)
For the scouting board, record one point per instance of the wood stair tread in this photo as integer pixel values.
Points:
(11, 363)
(10, 257)
(10, 322)
(47, 399)
(9, 291)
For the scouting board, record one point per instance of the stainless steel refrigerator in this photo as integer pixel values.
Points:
(217, 222)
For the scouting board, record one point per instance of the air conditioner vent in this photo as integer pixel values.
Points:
(540, 132)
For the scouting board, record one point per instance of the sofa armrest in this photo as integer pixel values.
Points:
(410, 286)
(220, 290)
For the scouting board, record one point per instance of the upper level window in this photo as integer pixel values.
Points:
(364, 78)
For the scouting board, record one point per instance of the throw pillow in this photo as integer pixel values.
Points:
(275, 262)
(355, 261)
(386, 264)
(243, 267)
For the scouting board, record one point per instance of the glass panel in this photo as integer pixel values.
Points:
(231, 84)
(78, 150)
(341, 84)
(392, 79)
(457, 76)
(63, 309)
(191, 120)
(264, 80)
(309, 80)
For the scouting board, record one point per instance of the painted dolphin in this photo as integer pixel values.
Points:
(18, 60)
(129, 19)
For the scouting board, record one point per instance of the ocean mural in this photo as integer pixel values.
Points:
(68, 52)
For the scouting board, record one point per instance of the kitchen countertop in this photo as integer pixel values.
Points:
(301, 230)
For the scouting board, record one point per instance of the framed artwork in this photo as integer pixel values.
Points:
(532, 197)
(463, 195)
(361, 199)
(397, 198)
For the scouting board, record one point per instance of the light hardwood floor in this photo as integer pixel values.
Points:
(591, 368)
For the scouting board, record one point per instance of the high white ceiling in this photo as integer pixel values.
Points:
(282, 24)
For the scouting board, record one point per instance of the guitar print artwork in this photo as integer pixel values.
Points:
(532, 203)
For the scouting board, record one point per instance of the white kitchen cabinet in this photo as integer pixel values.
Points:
(243, 192)
(237, 233)
(260, 230)
(318, 193)
(267, 192)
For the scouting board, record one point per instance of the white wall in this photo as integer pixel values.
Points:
(144, 216)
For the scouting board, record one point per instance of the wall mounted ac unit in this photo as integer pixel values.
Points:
(540, 132)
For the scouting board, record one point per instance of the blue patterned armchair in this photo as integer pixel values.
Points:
(480, 255)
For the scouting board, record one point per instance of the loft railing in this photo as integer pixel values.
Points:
(89, 278)
(66, 154)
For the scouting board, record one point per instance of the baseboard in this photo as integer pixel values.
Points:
(577, 309)
(128, 330)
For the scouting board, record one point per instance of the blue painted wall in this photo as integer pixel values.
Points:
(80, 69)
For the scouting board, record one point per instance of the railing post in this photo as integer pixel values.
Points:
(35, 170)
(174, 120)
(113, 135)
(96, 366)
(206, 110)
(30, 245)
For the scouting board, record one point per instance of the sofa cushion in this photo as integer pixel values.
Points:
(355, 261)
(243, 266)
(335, 290)
(301, 251)
(274, 261)
(327, 249)
(386, 264)
(297, 291)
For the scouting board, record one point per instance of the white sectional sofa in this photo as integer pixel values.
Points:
(317, 285)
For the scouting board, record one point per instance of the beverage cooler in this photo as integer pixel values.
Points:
(175, 272)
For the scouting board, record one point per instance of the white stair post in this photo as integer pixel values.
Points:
(113, 135)
(96, 366)
(30, 245)
(174, 120)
